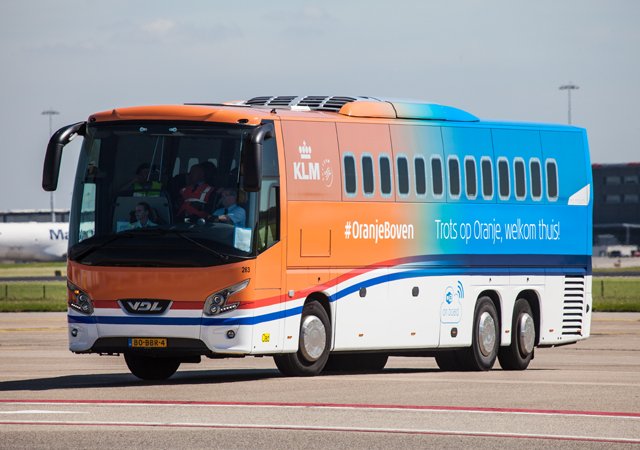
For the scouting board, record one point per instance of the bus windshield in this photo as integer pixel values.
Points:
(154, 194)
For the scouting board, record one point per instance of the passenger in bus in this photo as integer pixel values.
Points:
(143, 209)
(230, 212)
(142, 185)
(197, 197)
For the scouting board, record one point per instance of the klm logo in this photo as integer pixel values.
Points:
(58, 235)
(310, 171)
(143, 306)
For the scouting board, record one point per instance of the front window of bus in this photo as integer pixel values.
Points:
(154, 194)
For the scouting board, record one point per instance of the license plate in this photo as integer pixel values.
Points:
(147, 343)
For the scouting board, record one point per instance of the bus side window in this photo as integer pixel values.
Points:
(436, 176)
(520, 178)
(403, 175)
(536, 179)
(420, 170)
(350, 176)
(487, 177)
(384, 163)
(471, 182)
(552, 180)
(504, 183)
(454, 177)
(368, 183)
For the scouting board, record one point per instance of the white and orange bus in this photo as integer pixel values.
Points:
(369, 227)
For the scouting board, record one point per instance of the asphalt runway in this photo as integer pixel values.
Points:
(585, 395)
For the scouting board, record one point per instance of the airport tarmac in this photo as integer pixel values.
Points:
(585, 395)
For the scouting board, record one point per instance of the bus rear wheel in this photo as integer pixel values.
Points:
(519, 353)
(356, 362)
(151, 368)
(313, 347)
(481, 356)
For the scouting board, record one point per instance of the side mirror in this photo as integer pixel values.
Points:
(252, 159)
(52, 159)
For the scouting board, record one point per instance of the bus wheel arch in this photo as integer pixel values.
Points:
(314, 342)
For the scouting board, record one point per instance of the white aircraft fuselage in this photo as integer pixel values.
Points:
(34, 241)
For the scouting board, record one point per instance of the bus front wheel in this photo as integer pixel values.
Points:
(151, 368)
(313, 347)
(486, 338)
(519, 353)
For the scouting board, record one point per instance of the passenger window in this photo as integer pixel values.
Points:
(487, 178)
(403, 175)
(192, 162)
(470, 177)
(420, 176)
(176, 167)
(536, 179)
(454, 177)
(350, 177)
(436, 176)
(385, 175)
(368, 188)
(503, 179)
(552, 180)
(519, 174)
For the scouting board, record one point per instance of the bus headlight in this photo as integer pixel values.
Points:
(218, 302)
(80, 300)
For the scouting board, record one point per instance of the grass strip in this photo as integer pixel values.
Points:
(616, 294)
(33, 297)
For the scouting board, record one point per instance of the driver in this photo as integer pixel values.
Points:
(230, 211)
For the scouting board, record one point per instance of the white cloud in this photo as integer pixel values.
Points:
(159, 28)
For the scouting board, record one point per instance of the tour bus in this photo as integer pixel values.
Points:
(371, 228)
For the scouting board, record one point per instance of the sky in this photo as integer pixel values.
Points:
(494, 59)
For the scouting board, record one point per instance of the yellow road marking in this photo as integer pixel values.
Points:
(614, 334)
(33, 320)
(9, 330)
(616, 320)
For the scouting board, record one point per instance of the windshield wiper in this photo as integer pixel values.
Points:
(93, 248)
(164, 232)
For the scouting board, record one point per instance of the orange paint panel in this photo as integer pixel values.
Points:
(312, 161)
(369, 109)
(183, 112)
(269, 268)
(315, 241)
(177, 284)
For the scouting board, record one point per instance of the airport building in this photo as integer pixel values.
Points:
(616, 209)
(34, 215)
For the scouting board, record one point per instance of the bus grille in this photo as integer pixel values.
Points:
(573, 305)
(313, 102)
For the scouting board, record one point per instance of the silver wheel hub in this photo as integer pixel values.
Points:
(487, 333)
(526, 334)
(313, 338)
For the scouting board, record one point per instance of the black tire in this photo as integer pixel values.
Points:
(151, 368)
(356, 362)
(448, 361)
(519, 353)
(309, 360)
(481, 356)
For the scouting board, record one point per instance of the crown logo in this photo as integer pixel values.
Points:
(305, 151)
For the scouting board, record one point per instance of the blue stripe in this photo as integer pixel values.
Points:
(422, 266)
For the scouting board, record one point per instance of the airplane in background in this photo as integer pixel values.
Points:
(34, 241)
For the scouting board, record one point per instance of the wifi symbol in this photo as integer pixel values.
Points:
(460, 290)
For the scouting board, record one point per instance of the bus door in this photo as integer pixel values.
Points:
(268, 276)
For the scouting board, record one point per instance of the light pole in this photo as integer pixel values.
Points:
(50, 112)
(569, 87)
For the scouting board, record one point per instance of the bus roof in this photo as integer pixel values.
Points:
(257, 109)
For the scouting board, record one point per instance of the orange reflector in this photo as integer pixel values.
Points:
(506, 331)
(551, 330)
(413, 334)
(289, 337)
(361, 335)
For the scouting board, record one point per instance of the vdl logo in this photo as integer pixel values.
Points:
(144, 306)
